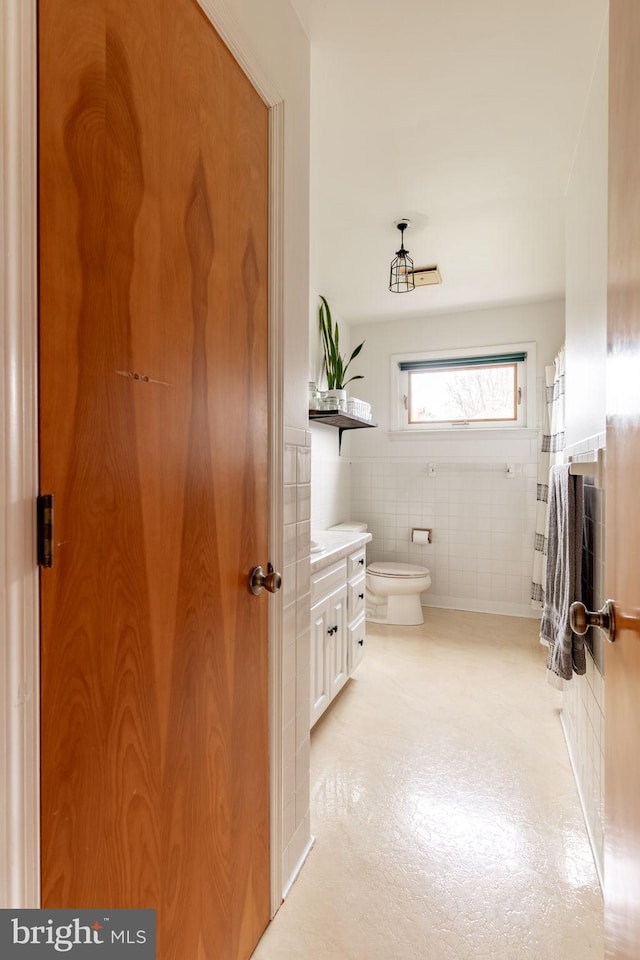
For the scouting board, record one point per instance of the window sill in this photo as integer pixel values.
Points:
(480, 433)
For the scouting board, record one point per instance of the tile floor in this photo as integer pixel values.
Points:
(446, 816)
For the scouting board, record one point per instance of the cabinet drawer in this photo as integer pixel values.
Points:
(357, 639)
(357, 594)
(328, 580)
(357, 562)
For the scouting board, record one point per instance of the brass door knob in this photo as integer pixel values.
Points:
(259, 580)
(581, 619)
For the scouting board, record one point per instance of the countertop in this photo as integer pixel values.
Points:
(335, 545)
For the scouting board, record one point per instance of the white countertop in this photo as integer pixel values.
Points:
(334, 545)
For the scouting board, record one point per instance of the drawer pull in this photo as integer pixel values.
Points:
(361, 596)
(361, 642)
(361, 561)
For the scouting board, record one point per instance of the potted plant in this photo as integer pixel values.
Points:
(334, 363)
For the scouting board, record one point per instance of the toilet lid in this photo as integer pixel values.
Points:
(350, 526)
(392, 569)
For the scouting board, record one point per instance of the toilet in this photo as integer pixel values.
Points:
(350, 526)
(393, 592)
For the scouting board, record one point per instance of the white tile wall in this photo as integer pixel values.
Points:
(296, 826)
(583, 710)
(482, 526)
(583, 719)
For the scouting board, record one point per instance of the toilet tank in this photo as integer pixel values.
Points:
(351, 526)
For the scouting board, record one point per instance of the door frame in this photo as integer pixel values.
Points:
(19, 580)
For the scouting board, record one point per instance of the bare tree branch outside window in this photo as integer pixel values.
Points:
(463, 393)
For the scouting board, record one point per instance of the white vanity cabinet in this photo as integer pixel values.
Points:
(329, 650)
(337, 627)
(356, 592)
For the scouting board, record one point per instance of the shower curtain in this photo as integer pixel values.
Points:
(551, 452)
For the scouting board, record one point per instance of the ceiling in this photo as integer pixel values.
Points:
(462, 115)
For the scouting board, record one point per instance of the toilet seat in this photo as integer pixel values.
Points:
(403, 571)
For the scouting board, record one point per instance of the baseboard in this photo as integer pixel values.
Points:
(574, 769)
(298, 867)
(474, 605)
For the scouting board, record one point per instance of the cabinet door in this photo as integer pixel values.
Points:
(339, 641)
(357, 637)
(321, 623)
(357, 591)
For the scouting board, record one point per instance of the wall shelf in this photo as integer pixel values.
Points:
(343, 421)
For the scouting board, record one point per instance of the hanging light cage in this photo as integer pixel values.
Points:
(401, 275)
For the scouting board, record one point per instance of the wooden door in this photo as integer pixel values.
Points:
(622, 774)
(153, 416)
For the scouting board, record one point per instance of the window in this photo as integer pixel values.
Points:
(479, 390)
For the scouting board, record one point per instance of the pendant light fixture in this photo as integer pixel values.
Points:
(401, 276)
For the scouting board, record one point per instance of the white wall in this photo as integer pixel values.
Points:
(303, 9)
(583, 712)
(330, 479)
(315, 347)
(482, 521)
(541, 322)
(330, 472)
(316, 357)
(273, 30)
(274, 33)
(586, 264)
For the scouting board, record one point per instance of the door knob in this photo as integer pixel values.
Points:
(259, 580)
(581, 619)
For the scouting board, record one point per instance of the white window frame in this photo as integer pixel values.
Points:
(399, 419)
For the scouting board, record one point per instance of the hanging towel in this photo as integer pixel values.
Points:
(563, 575)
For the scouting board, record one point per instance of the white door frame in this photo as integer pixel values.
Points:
(19, 585)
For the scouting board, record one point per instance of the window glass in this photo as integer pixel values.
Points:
(472, 394)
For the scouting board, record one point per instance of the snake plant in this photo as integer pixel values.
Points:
(334, 362)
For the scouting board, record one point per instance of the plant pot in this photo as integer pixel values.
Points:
(336, 399)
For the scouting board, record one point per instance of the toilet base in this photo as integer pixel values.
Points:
(403, 611)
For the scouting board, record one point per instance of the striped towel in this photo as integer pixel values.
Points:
(564, 574)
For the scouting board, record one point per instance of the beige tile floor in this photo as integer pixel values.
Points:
(447, 821)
